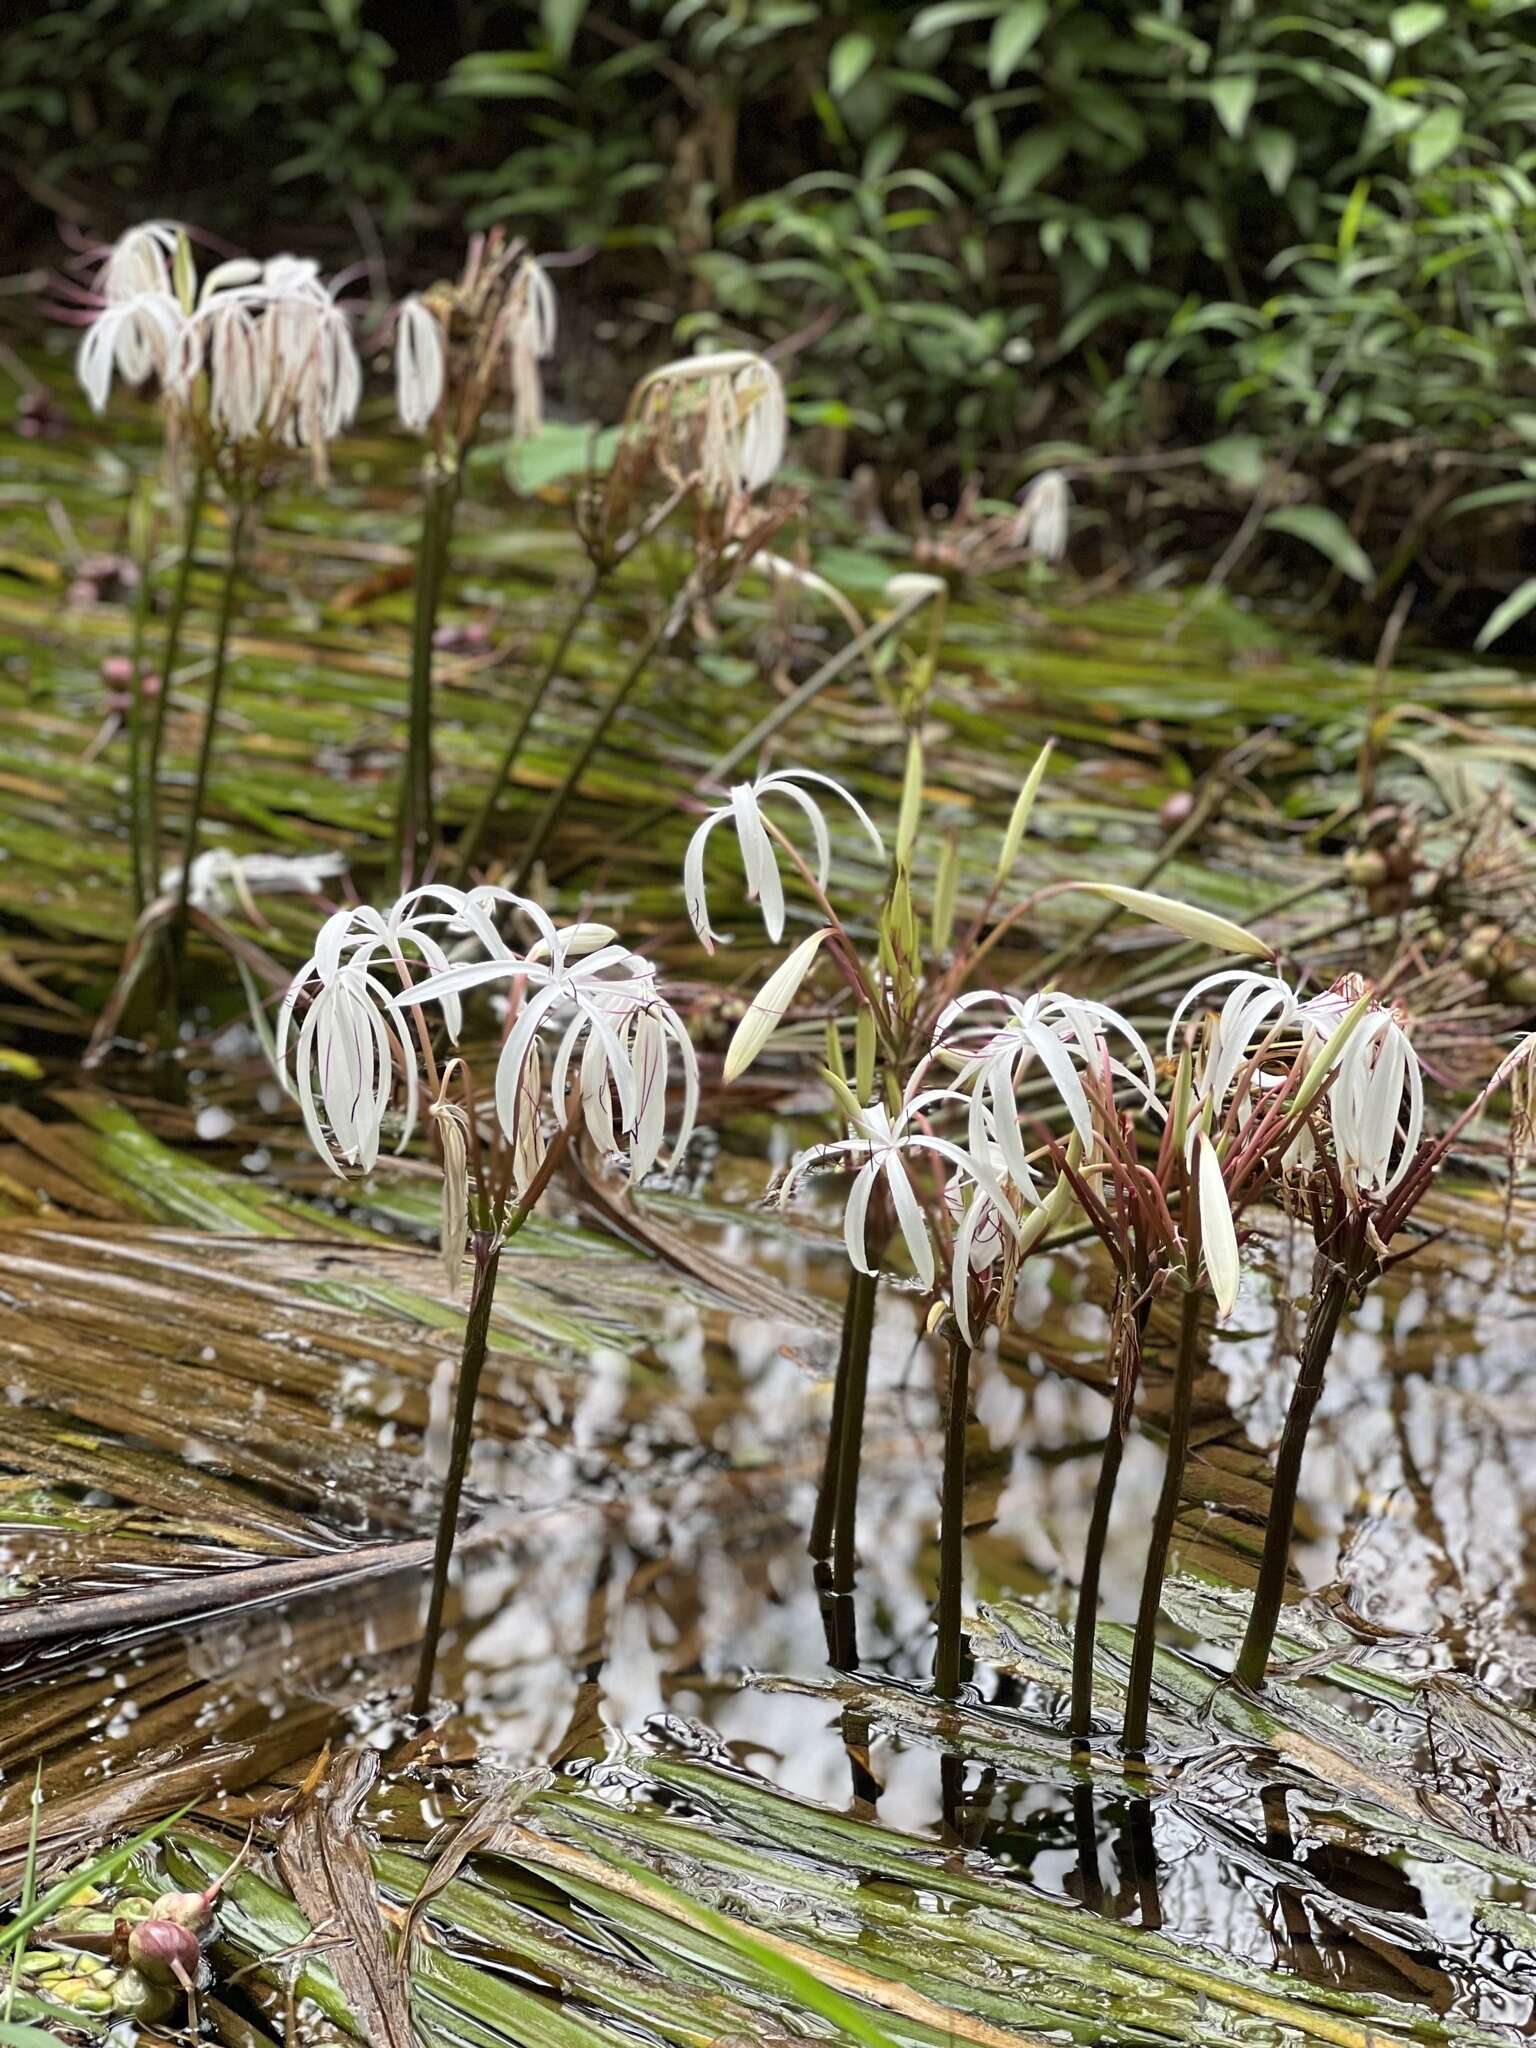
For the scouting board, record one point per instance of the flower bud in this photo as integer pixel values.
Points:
(185, 1909)
(164, 1951)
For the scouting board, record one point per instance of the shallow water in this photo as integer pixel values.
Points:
(210, 1367)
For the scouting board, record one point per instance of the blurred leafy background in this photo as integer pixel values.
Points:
(1237, 264)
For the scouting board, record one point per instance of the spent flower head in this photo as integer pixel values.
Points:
(716, 420)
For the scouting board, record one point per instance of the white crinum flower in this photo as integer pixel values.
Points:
(531, 328)
(421, 364)
(223, 880)
(881, 1144)
(351, 1051)
(316, 380)
(278, 353)
(354, 1022)
(139, 337)
(1375, 1132)
(239, 369)
(1045, 516)
(139, 262)
(603, 1002)
(1257, 1010)
(1218, 1232)
(1056, 1032)
(985, 1234)
(728, 414)
(759, 855)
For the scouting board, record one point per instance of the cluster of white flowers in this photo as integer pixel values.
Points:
(275, 348)
(356, 1056)
(1084, 1055)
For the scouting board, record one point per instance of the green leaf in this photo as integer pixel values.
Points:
(1033, 157)
(560, 19)
(560, 449)
(1013, 37)
(1204, 925)
(14, 2035)
(954, 14)
(1325, 531)
(1411, 24)
(1274, 151)
(1018, 823)
(1237, 457)
(502, 75)
(1232, 98)
(851, 57)
(1354, 213)
(1509, 613)
(1436, 136)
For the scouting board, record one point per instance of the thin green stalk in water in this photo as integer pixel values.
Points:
(846, 1450)
(28, 1886)
(145, 882)
(415, 829)
(1138, 1694)
(669, 624)
(1340, 1272)
(468, 848)
(1085, 1626)
(949, 1653)
(178, 932)
(171, 654)
(487, 1263)
(858, 1317)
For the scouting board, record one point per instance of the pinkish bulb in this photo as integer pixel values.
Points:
(1175, 810)
(117, 671)
(185, 1909)
(164, 1951)
(149, 684)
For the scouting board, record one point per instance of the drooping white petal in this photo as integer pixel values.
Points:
(910, 1220)
(513, 1053)
(421, 364)
(856, 1215)
(694, 896)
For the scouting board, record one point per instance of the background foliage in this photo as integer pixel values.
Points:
(1289, 250)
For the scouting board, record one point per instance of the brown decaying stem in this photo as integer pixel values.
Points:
(1139, 1685)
